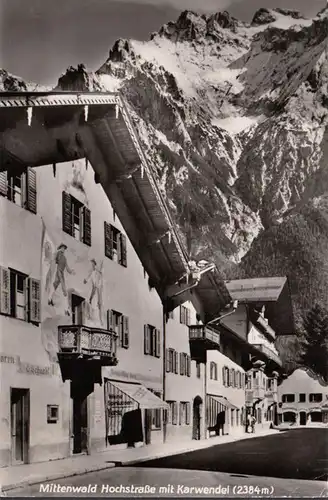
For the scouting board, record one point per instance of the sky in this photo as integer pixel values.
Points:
(40, 39)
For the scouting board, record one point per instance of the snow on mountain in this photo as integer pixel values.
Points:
(233, 117)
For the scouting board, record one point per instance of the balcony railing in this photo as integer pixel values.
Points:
(91, 342)
(268, 353)
(202, 332)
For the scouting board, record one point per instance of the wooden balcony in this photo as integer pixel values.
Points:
(268, 354)
(79, 342)
(202, 338)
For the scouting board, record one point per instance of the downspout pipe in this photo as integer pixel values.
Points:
(197, 280)
(234, 309)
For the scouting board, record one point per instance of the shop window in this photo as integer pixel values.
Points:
(156, 423)
(115, 244)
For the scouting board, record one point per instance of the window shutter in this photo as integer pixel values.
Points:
(31, 190)
(4, 291)
(181, 363)
(176, 362)
(108, 240)
(123, 259)
(168, 361)
(87, 226)
(3, 183)
(34, 300)
(125, 336)
(67, 214)
(181, 414)
(188, 413)
(158, 344)
(146, 339)
(188, 366)
(175, 413)
(110, 319)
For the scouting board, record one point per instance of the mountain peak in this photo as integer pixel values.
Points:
(78, 79)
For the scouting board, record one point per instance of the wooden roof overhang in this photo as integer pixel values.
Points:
(40, 129)
(273, 293)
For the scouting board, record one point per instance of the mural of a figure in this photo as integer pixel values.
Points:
(61, 267)
(96, 279)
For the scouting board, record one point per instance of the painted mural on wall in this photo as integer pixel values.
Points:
(69, 272)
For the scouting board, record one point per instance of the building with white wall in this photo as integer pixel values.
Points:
(303, 399)
(84, 282)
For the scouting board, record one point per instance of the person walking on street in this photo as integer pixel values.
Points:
(253, 422)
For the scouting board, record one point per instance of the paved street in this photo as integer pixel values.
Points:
(102, 483)
(258, 467)
(297, 454)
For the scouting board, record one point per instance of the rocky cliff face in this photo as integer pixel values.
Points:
(234, 119)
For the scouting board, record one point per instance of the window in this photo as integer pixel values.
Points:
(198, 372)
(115, 245)
(248, 380)
(76, 219)
(184, 315)
(225, 376)
(184, 415)
(232, 421)
(315, 398)
(185, 364)
(213, 371)
(171, 315)
(52, 414)
(152, 341)
(19, 295)
(270, 383)
(302, 398)
(237, 417)
(172, 363)
(20, 188)
(156, 423)
(77, 306)
(120, 324)
(233, 378)
(288, 398)
(173, 412)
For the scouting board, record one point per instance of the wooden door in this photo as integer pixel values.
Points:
(20, 425)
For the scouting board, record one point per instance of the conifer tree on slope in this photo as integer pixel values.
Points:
(315, 344)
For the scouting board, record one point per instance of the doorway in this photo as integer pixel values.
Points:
(20, 425)
(78, 307)
(148, 425)
(80, 424)
(302, 418)
(196, 417)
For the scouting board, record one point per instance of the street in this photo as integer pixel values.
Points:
(257, 467)
(295, 454)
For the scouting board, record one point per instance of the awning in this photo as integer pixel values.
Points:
(140, 394)
(223, 401)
